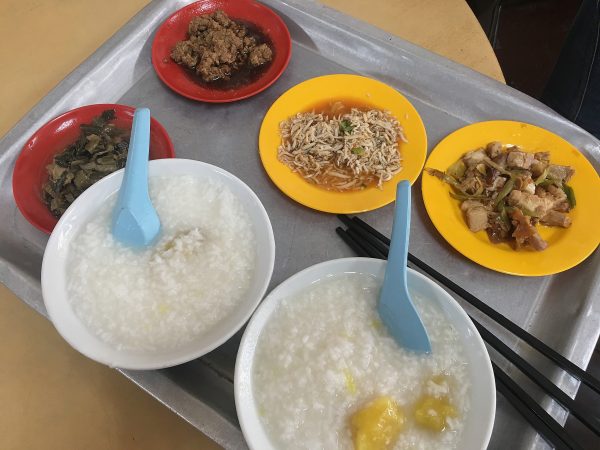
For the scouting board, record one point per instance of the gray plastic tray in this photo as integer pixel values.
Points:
(563, 310)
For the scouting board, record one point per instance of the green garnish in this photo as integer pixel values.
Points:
(539, 180)
(508, 187)
(463, 197)
(528, 212)
(547, 182)
(444, 177)
(570, 195)
(357, 150)
(346, 126)
(457, 170)
(504, 215)
(493, 165)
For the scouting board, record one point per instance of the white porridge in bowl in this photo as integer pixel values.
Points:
(327, 374)
(176, 290)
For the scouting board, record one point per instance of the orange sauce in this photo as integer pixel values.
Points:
(338, 106)
(334, 108)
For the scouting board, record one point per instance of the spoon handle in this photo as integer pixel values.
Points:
(135, 180)
(397, 258)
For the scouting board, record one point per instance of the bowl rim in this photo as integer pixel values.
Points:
(52, 302)
(287, 54)
(256, 437)
(18, 195)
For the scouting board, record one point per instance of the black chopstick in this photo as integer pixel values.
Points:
(367, 237)
(372, 251)
(543, 423)
(374, 244)
(353, 244)
(548, 428)
(534, 342)
(386, 240)
(537, 377)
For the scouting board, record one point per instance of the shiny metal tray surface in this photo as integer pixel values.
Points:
(563, 310)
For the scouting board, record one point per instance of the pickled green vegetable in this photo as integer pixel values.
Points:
(100, 149)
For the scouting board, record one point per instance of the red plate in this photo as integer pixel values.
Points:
(29, 174)
(174, 29)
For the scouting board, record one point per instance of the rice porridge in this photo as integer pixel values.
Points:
(166, 295)
(326, 370)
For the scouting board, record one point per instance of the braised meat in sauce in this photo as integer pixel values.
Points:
(507, 191)
(217, 48)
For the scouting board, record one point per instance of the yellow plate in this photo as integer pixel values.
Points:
(353, 88)
(567, 247)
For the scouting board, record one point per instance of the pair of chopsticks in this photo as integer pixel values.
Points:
(367, 241)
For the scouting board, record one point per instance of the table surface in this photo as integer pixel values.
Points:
(53, 397)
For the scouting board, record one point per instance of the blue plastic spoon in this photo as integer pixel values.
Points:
(134, 221)
(395, 307)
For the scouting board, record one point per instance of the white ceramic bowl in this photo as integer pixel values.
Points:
(480, 419)
(54, 271)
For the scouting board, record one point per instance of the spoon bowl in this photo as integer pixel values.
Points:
(395, 307)
(135, 221)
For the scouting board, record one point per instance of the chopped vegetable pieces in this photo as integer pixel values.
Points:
(100, 149)
(346, 126)
(508, 191)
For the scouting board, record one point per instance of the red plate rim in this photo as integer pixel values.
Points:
(26, 185)
(174, 28)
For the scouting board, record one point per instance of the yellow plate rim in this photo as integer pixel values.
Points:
(496, 256)
(355, 87)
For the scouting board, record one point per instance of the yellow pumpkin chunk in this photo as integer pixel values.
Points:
(432, 412)
(377, 425)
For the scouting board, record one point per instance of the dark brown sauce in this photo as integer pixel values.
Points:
(245, 75)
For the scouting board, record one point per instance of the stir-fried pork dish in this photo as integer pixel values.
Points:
(218, 47)
(508, 191)
(342, 147)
